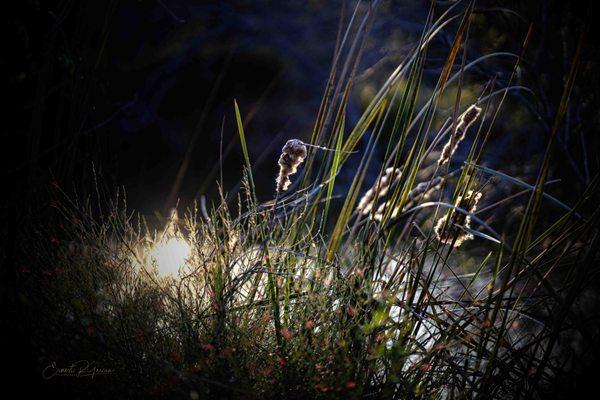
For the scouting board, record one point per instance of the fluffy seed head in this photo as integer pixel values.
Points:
(292, 155)
(423, 190)
(464, 121)
(446, 228)
(379, 189)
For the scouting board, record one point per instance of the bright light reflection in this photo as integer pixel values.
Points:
(170, 255)
(169, 251)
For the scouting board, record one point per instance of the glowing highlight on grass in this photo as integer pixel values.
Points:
(170, 254)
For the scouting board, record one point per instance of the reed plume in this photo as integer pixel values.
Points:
(448, 228)
(379, 189)
(292, 155)
(464, 121)
(423, 190)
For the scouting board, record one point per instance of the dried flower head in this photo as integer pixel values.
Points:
(292, 155)
(379, 189)
(378, 216)
(448, 228)
(464, 121)
(422, 190)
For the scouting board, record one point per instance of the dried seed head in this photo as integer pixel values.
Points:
(464, 121)
(446, 228)
(381, 210)
(422, 190)
(292, 155)
(378, 190)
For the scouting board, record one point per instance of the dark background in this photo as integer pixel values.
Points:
(134, 93)
(140, 89)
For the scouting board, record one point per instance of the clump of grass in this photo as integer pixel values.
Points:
(274, 302)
